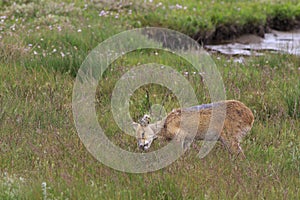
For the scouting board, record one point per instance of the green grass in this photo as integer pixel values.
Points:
(38, 139)
(203, 20)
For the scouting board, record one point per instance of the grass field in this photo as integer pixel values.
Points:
(42, 45)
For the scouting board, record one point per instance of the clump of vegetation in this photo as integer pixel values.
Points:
(285, 16)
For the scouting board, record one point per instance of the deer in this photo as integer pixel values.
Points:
(237, 122)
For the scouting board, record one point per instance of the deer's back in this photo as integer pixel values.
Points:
(238, 119)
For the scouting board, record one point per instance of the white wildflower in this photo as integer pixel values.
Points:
(21, 179)
(159, 4)
(103, 13)
(13, 27)
(178, 6)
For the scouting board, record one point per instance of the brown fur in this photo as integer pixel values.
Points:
(238, 121)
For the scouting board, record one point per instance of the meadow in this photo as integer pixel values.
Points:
(43, 44)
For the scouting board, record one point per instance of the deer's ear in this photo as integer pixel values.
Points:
(135, 125)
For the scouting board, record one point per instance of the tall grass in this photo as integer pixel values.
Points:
(39, 142)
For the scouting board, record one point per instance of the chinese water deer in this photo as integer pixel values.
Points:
(237, 122)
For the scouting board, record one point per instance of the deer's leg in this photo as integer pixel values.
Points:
(187, 143)
(183, 137)
(233, 146)
(237, 149)
(225, 143)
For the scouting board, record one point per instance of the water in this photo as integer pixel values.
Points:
(276, 41)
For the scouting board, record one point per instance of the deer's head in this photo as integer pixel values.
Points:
(146, 133)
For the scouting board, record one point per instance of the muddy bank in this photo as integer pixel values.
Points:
(223, 33)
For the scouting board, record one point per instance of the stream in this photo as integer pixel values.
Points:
(247, 45)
